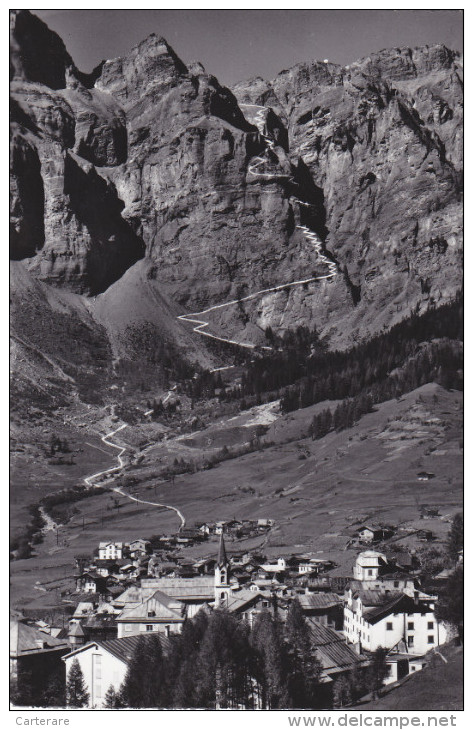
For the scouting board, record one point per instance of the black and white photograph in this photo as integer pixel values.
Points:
(236, 363)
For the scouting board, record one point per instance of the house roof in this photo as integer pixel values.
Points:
(76, 630)
(25, 640)
(165, 608)
(123, 649)
(373, 597)
(373, 615)
(242, 599)
(319, 600)
(186, 589)
(332, 651)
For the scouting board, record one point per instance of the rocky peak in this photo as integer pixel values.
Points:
(150, 69)
(37, 53)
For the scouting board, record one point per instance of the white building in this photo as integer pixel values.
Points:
(275, 566)
(104, 664)
(368, 565)
(110, 550)
(377, 618)
(159, 613)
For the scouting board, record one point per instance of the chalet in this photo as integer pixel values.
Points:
(90, 582)
(35, 658)
(425, 535)
(110, 550)
(159, 613)
(325, 608)
(369, 534)
(104, 664)
(424, 476)
(139, 547)
(381, 618)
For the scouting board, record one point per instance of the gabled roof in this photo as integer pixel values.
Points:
(319, 600)
(241, 600)
(164, 608)
(25, 640)
(373, 615)
(123, 649)
(332, 651)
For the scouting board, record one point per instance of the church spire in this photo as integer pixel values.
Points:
(222, 555)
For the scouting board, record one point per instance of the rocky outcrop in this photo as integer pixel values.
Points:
(382, 139)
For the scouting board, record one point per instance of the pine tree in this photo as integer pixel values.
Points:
(76, 693)
(449, 607)
(303, 665)
(145, 678)
(341, 692)
(455, 538)
(378, 671)
(269, 662)
(111, 699)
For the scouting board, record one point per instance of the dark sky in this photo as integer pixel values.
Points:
(237, 44)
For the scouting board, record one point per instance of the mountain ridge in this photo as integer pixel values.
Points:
(149, 159)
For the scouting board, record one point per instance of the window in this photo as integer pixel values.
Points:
(168, 630)
(410, 625)
(410, 641)
(149, 627)
(389, 626)
(430, 639)
(370, 572)
(430, 625)
(396, 584)
(265, 604)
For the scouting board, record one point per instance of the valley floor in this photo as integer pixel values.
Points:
(317, 492)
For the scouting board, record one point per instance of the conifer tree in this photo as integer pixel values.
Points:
(145, 679)
(269, 662)
(303, 665)
(76, 693)
(111, 699)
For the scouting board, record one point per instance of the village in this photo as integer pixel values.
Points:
(146, 587)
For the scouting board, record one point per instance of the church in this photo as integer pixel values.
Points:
(163, 604)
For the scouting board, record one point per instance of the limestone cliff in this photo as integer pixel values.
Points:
(147, 158)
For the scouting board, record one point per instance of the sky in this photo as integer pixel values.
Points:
(238, 44)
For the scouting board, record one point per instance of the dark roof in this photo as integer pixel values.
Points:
(332, 651)
(124, 648)
(319, 600)
(222, 555)
(25, 640)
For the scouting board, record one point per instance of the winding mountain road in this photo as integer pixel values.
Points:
(311, 237)
(121, 449)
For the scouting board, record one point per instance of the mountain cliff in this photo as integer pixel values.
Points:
(146, 189)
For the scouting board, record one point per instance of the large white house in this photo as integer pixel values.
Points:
(104, 664)
(110, 550)
(159, 613)
(368, 565)
(374, 618)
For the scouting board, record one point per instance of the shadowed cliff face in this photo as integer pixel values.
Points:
(149, 158)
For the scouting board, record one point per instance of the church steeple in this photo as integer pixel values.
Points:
(222, 554)
(222, 578)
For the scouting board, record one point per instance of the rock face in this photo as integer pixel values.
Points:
(382, 139)
(146, 157)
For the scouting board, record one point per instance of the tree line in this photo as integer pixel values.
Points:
(219, 661)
